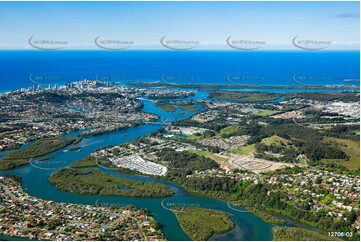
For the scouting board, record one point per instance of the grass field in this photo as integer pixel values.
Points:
(244, 150)
(264, 112)
(217, 158)
(194, 137)
(201, 152)
(248, 149)
(350, 147)
(274, 140)
(230, 130)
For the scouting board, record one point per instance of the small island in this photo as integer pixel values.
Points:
(95, 182)
(200, 224)
(172, 106)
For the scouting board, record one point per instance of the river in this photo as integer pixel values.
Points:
(35, 182)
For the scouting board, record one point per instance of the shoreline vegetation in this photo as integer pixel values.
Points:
(101, 131)
(45, 158)
(200, 224)
(85, 162)
(95, 182)
(266, 216)
(38, 148)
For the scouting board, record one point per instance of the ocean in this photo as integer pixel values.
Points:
(21, 69)
(18, 68)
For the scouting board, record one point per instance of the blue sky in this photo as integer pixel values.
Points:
(209, 23)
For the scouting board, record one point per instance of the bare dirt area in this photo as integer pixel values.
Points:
(250, 163)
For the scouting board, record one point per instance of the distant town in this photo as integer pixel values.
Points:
(92, 106)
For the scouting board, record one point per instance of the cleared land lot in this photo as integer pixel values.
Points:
(244, 162)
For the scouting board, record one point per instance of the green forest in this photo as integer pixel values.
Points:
(95, 182)
(38, 148)
(200, 223)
